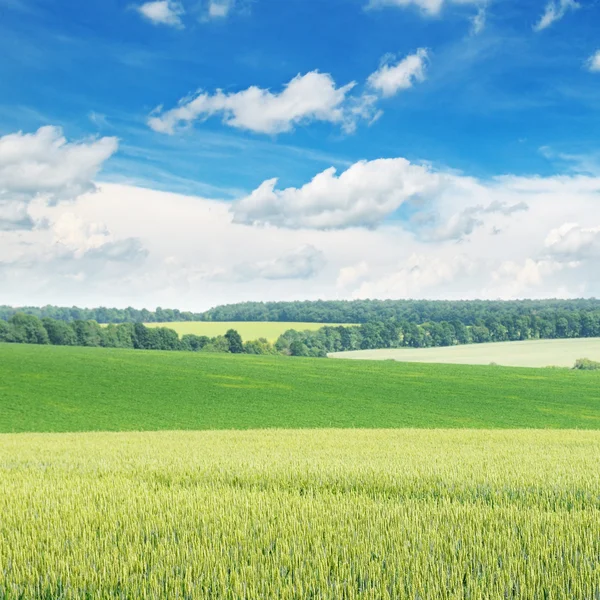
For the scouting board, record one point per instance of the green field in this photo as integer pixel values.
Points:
(301, 514)
(248, 330)
(531, 353)
(59, 388)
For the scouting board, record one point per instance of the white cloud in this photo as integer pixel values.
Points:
(362, 196)
(555, 10)
(163, 12)
(570, 240)
(348, 277)
(417, 275)
(302, 263)
(478, 20)
(45, 166)
(593, 62)
(390, 78)
(463, 223)
(218, 9)
(369, 192)
(166, 249)
(306, 98)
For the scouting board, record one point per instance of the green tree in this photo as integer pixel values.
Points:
(236, 346)
(60, 333)
(194, 343)
(298, 348)
(6, 333)
(88, 333)
(28, 329)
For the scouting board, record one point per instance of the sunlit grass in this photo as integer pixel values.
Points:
(52, 388)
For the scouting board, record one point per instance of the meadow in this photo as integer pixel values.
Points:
(61, 389)
(530, 353)
(301, 514)
(248, 330)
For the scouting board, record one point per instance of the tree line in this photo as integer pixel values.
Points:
(405, 334)
(29, 329)
(467, 312)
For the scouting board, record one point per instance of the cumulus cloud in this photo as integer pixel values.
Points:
(173, 250)
(555, 10)
(302, 263)
(44, 165)
(349, 276)
(417, 275)
(306, 98)
(363, 195)
(163, 12)
(390, 77)
(463, 223)
(75, 238)
(572, 241)
(593, 62)
(369, 192)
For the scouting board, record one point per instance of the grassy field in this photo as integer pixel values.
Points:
(248, 330)
(54, 388)
(301, 514)
(533, 353)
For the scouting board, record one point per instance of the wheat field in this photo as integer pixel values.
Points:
(249, 330)
(301, 514)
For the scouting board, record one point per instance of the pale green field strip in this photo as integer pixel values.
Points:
(531, 353)
(247, 329)
(301, 514)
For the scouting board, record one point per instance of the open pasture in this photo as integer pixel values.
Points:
(301, 514)
(248, 330)
(530, 353)
(59, 388)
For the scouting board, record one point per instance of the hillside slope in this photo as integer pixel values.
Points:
(53, 388)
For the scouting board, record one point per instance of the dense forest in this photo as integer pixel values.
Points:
(467, 312)
(101, 315)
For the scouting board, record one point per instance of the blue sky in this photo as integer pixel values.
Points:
(497, 88)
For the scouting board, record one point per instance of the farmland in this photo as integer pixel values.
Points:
(298, 514)
(531, 353)
(248, 330)
(59, 388)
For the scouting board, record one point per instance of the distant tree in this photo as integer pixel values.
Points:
(298, 348)
(28, 329)
(6, 333)
(166, 339)
(60, 333)
(236, 346)
(217, 344)
(88, 333)
(194, 343)
(141, 337)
